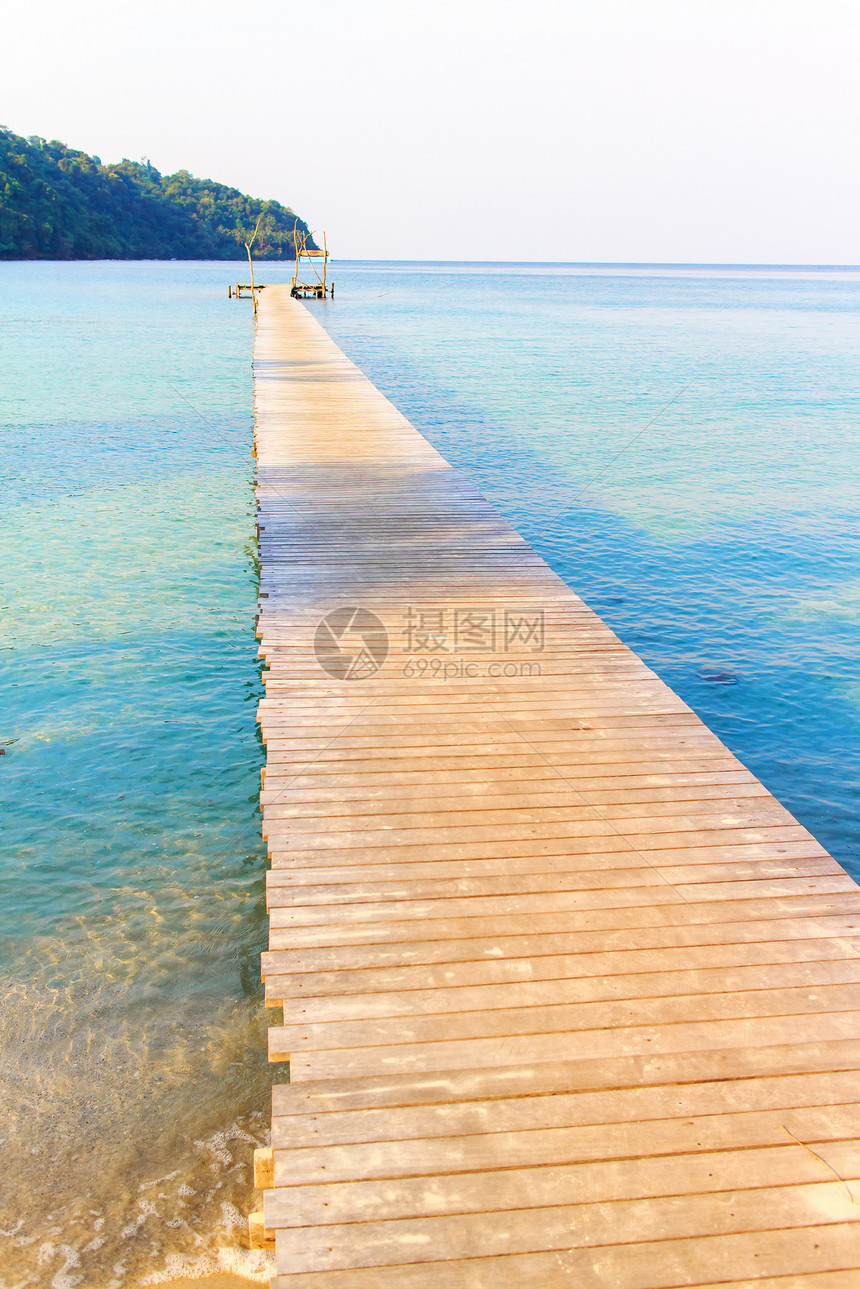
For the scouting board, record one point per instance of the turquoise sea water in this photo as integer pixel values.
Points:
(133, 1073)
(681, 446)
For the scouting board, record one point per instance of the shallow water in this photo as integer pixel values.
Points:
(680, 445)
(134, 1080)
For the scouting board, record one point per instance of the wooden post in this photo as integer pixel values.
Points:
(248, 246)
(258, 1236)
(264, 1168)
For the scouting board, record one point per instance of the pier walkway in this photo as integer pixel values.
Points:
(570, 1000)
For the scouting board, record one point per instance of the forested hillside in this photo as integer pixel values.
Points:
(59, 204)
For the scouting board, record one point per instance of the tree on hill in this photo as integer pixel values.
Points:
(60, 204)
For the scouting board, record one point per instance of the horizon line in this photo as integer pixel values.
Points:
(615, 264)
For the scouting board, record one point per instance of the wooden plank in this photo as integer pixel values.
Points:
(643, 833)
(538, 994)
(535, 944)
(286, 889)
(551, 1016)
(295, 872)
(351, 885)
(285, 980)
(817, 1126)
(644, 880)
(496, 1191)
(559, 839)
(811, 1280)
(297, 803)
(583, 1225)
(500, 1046)
(681, 1068)
(541, 856)
(520, 768)
(663, 1264)
(391, 1122)
(613, 916)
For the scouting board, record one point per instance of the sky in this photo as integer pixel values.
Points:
(682, 131)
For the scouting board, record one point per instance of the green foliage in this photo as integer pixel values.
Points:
(58, 204)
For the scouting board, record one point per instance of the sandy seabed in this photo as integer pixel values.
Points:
(128, 1137)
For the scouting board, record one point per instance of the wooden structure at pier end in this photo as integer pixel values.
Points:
(570, 1001)
(311, 263)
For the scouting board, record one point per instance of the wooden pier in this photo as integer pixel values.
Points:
(570, 1000)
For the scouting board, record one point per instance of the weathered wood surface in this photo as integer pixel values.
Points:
(569, 999)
